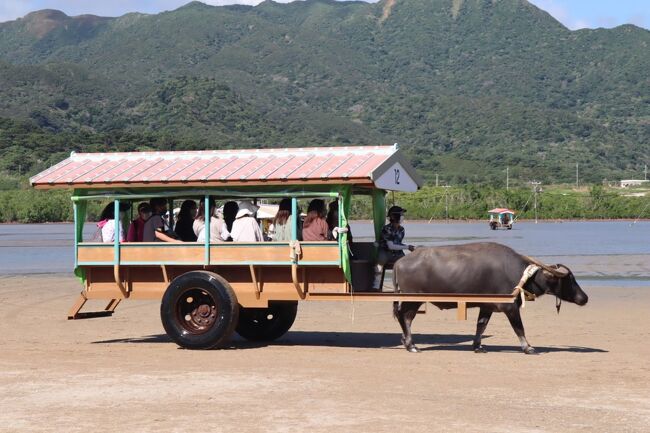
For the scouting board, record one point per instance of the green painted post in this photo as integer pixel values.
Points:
(75, 213)
(294, 219)
(116, 236)
(206, 229)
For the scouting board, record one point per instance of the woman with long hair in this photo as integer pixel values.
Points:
(218, 230)
(106, 225)
(230, 209)
(282, 222)
(314, 228)
(184, 226)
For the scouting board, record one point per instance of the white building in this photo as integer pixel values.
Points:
(633, 182)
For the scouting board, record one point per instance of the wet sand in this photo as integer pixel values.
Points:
(341, 368)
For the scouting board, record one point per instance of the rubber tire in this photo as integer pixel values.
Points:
(254, 324)
(224, 298)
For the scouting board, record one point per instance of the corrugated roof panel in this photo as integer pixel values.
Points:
(367, 167)
(77, 171)
(330, 165)
(96, 174)
(135, 171)
(270, 169)
(183, 165)
(229, 170)
(213, 167)
(294, 164)
(251, 168)
(350, 166)
(154, 172)
(119, 171)
(305, 171)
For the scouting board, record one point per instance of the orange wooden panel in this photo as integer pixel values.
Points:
(320, 253)
(94, 253)
(162, 253)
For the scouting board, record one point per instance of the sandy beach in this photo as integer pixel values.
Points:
(340, 368)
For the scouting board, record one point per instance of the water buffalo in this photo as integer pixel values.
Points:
(487, 268)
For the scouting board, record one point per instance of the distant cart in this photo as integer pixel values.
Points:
(501, 218)
(210, 290)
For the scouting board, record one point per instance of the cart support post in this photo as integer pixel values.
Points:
(116, 249)
(206, 229)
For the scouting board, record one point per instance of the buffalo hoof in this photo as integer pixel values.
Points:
(530, 351)
(479, 349)
(413, 349)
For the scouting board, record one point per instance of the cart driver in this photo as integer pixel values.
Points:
(391, 247)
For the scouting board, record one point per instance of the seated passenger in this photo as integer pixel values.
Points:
(218, 230)
(333, 222)
(136, 229)
(245, 228)
(230, 209)
(154, 228)
(106, 224)
(314, 228)
(282, 223)
(184, 225)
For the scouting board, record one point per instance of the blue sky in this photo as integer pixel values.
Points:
(574, 14)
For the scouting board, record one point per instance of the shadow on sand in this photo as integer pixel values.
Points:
(365, 340)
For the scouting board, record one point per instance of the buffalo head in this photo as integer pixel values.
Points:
(562, 284)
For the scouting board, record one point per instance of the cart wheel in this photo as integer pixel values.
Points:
(199, 310)
(267, 324)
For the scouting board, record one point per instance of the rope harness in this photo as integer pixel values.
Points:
(527, 275)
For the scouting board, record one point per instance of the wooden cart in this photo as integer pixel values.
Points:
(209, 290)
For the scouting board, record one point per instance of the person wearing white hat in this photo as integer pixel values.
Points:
(245, 228)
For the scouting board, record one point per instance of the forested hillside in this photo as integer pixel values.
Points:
(467, 87)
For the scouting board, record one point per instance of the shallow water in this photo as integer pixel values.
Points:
(601, 253)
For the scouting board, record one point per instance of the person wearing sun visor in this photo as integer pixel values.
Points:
(391, 246)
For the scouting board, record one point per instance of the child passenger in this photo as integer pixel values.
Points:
(136, 229)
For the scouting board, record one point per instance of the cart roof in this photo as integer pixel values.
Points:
(382, 167)
(501, 210)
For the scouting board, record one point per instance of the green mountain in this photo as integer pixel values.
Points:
(467, 87)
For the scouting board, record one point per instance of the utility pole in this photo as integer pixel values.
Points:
(436, 179)
(507, 178)
(645, 172)
(446, 187)
(536, 189)
(577, 181)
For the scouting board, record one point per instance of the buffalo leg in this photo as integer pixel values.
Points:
(483, 320)
(517, 325)
(405, 315)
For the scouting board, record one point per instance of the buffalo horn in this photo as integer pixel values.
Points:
(555, 271)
